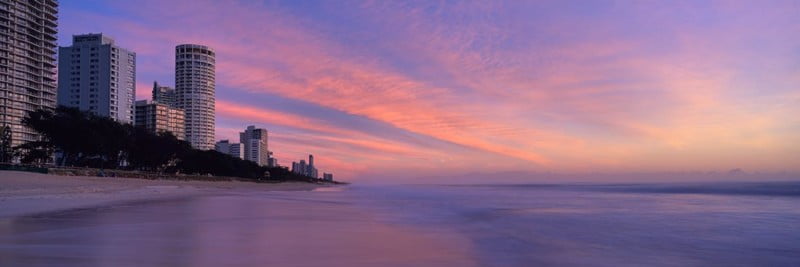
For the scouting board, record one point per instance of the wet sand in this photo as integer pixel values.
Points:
(89, 221)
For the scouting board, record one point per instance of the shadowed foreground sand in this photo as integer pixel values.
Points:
(24, 193)
(85, 221)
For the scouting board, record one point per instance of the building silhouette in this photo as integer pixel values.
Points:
(302, 168)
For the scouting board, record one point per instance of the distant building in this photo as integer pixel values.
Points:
(310, 170)
(299, 167)
(195, 76)
(233, 149)
(302, 168)
(327, 176)
(28, 45)
(163, 94)
(272, 162)
(157, 117)
(97, 76)
(256, 147)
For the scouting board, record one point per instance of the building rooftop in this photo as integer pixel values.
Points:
(92, 38)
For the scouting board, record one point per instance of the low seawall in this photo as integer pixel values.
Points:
(144, 175)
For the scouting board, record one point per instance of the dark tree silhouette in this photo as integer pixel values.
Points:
(6, 152)
(87, 140)
(154, 152)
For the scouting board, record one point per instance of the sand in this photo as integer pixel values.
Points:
(79, 221)
(23, 193)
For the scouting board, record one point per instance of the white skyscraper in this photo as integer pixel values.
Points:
(96, 75)
(27, 63)
(256, 147)
(195, 73)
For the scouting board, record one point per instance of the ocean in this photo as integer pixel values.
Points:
(687, 224)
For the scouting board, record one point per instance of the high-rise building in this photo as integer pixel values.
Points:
(311, 171)
(157, 117)
(233, 149)
(300, 167)
(194, 90)
(305, 169)
(96, 75)
(27, 63)
(256, 147)
(164, 94)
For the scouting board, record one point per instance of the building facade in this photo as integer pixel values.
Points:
(27, 63)
(305, 169)
(311, 170)
(299, 167)
(256, 146)
(195, 75)
(97, 76)
(233, 149)
(157, 117)
(164, 94)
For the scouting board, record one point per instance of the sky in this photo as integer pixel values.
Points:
(398, 89)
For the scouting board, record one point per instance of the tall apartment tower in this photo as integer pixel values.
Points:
(194, 91)
(27, 62)
(256, 148)
(311, 171)
(163, 94)
(96, 75)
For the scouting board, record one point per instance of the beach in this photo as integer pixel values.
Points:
(89, 221)
(92, 221)
(23, 193)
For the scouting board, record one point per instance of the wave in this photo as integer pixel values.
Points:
(790, 189)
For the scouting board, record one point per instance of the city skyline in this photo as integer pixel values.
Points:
(605, 88)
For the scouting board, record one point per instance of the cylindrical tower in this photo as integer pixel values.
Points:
(194, 91)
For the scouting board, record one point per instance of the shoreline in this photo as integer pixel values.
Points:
(27, 193)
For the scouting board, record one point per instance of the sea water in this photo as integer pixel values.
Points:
(699, 224)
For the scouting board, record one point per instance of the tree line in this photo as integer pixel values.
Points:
(82, 139)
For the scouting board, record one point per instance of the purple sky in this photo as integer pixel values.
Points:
(408, 88)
